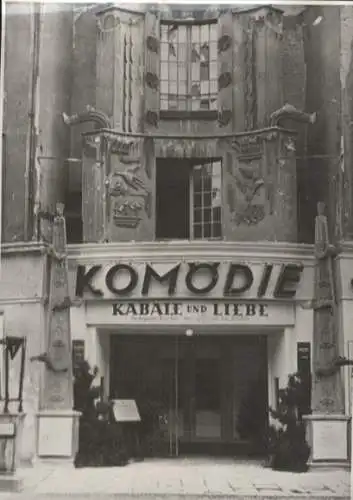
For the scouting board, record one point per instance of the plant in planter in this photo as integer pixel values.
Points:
(101, 439)
(287, 446)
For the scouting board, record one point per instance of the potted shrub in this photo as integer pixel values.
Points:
(287, 446)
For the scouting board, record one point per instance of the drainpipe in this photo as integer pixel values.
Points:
(32, 129)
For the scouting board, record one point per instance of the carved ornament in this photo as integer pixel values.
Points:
(248, 145)
(152, 44)
(224, 43)
(246, 185)
(224, 80)
(130, 195)
(290, 112)
(152, 80)
(151, 118)
(224, 117)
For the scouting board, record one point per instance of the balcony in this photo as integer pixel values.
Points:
(259, 191)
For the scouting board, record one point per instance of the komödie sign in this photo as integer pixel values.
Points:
(286, 282)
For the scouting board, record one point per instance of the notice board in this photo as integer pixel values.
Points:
(125, 410)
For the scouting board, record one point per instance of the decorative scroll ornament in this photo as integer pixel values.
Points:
(290, 112)
(89, 115)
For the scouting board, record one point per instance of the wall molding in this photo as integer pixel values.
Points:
(192, 250)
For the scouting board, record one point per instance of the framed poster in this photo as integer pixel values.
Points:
(125, 410)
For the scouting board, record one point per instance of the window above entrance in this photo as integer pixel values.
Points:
(188, 66)
(188, 199)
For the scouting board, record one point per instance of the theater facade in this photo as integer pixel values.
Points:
(199, 338)
(190, 149)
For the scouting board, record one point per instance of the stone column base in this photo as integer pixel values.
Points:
(327, 436)
(57, 436)
(11, 425)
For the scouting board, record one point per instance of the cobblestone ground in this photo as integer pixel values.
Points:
(181, 478)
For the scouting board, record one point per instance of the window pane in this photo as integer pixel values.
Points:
(204, 71)
(205, 104)
(213, 104)
(216, 214)
(197, 231)
(197, 216)
(216, 230)
(213, 70)
(195, 33)
(207, 199)
(207, 231)
(214, 31)
(197, 200)
(195, 104)
(207, 215)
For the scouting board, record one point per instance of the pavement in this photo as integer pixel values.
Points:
(181, 478)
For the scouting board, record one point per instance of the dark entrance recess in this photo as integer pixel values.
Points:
(173, 199)
(205, 394)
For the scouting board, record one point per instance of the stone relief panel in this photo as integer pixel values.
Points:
(257, 189)
(129, 191)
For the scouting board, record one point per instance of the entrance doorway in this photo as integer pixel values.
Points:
(204, 394)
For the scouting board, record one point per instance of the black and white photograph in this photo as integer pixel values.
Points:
(176, 268)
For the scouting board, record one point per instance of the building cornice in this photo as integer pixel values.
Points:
(345, 250)
(268, 131)
(192, 250)
(16, 248)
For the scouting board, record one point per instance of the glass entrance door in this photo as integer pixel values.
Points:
(200, 394)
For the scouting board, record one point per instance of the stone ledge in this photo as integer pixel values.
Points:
(23, 247)
(11, 484)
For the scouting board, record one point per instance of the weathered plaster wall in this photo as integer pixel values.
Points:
(37, 92)
(83, 85)
(55, 74)
(323, 96)
(23, 274)
(345, 172)
(17, 83)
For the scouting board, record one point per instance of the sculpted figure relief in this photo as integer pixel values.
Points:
(129, 194)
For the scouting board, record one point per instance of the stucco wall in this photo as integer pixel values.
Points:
(17, 81)
(21, 291)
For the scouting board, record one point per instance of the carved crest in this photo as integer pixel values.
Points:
(243, 191)
(130, 195)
